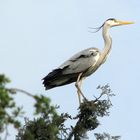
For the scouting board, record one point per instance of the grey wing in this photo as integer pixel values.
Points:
(81, 61)
(69, 70)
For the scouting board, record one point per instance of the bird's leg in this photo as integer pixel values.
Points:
(79, 92)
(77, 86)
(80, 89)
(79, 96)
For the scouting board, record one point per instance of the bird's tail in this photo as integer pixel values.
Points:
(57, 78)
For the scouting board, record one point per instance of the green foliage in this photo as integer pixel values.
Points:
(43, 128)
(48, 124)
(89, 112)
(42, 106)
(8, 109)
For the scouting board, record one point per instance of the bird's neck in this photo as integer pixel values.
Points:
(107, 42)
(106, 49)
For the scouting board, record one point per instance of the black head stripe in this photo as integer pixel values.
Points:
(111, 19)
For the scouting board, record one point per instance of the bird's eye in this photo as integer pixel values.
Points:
(115, 20)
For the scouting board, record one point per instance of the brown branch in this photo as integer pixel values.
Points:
(14, 90)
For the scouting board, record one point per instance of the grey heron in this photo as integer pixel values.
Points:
(83, 63)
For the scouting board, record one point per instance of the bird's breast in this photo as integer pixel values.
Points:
(93, 66)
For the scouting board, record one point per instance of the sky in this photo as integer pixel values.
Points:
(37, 36)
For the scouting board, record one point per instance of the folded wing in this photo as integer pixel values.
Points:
(69, 70)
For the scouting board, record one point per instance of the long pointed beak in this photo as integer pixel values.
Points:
(124, 22)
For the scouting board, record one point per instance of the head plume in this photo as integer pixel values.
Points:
(96, 29)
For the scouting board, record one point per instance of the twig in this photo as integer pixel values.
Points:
(96, 99)
(14, 90)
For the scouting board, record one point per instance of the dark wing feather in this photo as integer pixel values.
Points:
(57, 78)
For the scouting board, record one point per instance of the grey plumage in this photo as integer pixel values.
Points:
(69, 70)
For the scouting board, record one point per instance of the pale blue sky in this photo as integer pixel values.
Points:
(36, 36)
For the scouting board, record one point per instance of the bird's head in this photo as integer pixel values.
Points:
(111, 22)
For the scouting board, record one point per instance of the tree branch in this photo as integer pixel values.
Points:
(14, 90)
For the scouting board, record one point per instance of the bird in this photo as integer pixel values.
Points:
(83, 63)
